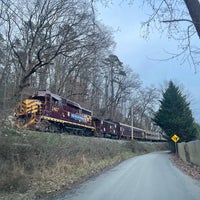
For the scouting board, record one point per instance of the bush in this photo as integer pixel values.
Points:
(146, 147)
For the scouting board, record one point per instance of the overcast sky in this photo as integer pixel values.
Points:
(143, 55)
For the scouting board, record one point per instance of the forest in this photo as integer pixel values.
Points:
(61, 46)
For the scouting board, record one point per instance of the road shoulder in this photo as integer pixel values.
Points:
(188, 168)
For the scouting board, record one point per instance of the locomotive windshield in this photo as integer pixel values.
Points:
(40, 98)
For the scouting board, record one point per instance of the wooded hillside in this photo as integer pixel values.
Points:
(59, 45)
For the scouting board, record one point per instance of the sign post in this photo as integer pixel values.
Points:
(175, 139)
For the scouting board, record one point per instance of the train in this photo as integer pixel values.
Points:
(46, 111)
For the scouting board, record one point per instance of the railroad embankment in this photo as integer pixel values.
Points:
(189, 152)
(34, 164)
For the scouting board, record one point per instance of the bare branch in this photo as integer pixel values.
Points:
(177, 20)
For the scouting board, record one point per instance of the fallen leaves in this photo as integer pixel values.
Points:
(189, 168)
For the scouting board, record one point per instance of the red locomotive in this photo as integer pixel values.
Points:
(46, 111)
(49, 112)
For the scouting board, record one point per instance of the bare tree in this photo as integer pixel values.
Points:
(119, 82)
(180, 19)
(40, 31)
(143, 105)
(76, 74)
(114, 74)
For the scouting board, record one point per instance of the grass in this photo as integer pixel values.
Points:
(35, 163)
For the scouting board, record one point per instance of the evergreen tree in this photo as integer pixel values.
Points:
(174, 115)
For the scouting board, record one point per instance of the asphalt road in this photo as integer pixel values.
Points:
(147, 177)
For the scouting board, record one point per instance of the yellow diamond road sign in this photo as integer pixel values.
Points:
(175, 138)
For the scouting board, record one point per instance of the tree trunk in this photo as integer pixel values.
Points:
(194, 10)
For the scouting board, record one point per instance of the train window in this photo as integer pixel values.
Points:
(64, 101)
(40, 98)
(55, 102)
(47, 98)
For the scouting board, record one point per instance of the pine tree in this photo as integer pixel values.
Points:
(174, 115)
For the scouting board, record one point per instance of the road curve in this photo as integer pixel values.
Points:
(147, 177)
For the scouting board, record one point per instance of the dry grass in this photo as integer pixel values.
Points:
(34, 163)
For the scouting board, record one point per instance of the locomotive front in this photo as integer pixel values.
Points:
(28, 112)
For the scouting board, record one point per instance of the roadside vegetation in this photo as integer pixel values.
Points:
(34, 164)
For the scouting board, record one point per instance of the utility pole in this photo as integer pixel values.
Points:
(131, 122)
